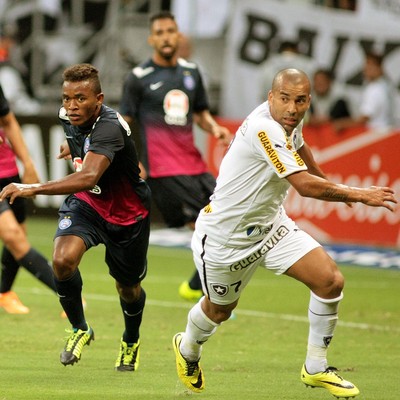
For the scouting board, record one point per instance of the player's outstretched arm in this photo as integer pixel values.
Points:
(308, 185)
(93, 168)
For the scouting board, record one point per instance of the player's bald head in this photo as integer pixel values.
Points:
(291, 76)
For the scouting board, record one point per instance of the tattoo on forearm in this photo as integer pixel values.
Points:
(332, 194)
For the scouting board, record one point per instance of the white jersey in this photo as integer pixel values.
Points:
(250, 187)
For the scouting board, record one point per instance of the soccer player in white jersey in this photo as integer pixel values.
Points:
(245, 226)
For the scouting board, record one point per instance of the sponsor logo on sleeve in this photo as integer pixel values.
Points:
(271, 152)
(298, 159)
(207, 209)
(77, 163)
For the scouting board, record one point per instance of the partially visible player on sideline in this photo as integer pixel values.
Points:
(108, 203)
(17, 251)
(245, 226)
(164, 96)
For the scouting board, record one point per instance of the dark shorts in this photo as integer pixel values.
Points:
(180, 198)
(19, 205)
(126, 246)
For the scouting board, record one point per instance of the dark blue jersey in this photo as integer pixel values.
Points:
(162, 101)
(120, 196)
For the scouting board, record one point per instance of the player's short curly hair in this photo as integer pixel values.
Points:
(83, 72)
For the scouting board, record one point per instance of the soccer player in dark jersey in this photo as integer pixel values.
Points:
(17, 251)
(108, 203)
(165, 96)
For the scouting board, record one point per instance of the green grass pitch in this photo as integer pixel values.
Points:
(257, 355)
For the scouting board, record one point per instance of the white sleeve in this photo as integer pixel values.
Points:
(271, 144)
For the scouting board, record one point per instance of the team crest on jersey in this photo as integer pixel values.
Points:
(243, 127)
(188, 81)
(86, 144)
(65, 223)
(219, 289)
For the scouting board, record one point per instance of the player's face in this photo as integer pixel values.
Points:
(289, 102)
(322, 84)
(81, 102)
(372, 70)
(164, 38)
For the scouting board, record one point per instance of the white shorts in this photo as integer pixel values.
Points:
(225, 271)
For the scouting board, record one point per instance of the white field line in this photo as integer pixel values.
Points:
(249, 313)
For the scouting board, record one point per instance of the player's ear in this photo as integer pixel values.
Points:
(150, 40)
(100, 98)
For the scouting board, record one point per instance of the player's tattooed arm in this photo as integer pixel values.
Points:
(308, 185)
(334, 194)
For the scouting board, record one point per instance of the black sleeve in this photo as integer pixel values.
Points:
(107, 139)
(131, 93)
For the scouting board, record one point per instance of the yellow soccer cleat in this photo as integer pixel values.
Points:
(128, 357)
(74, 345)
(331, 381)
(189, 372)
(187, 293)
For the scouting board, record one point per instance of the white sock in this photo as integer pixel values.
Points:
(198, 329)
(323, 316)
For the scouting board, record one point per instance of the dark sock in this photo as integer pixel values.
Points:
(9, 270)
(39, 267)
(133, 313)
(69, 292)
(195, 282)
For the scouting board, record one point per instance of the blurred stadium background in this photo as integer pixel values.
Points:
(232, 40)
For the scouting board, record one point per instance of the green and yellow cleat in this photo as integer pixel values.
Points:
(128, 357)
(189, 372)
(331, 381)
(187, 293)
(73, 347)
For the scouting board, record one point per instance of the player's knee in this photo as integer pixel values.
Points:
(218, 313)
(221, 316)
(130, 294)
(14, 238)
(334, 283)
(338, 282)
(64, 265)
